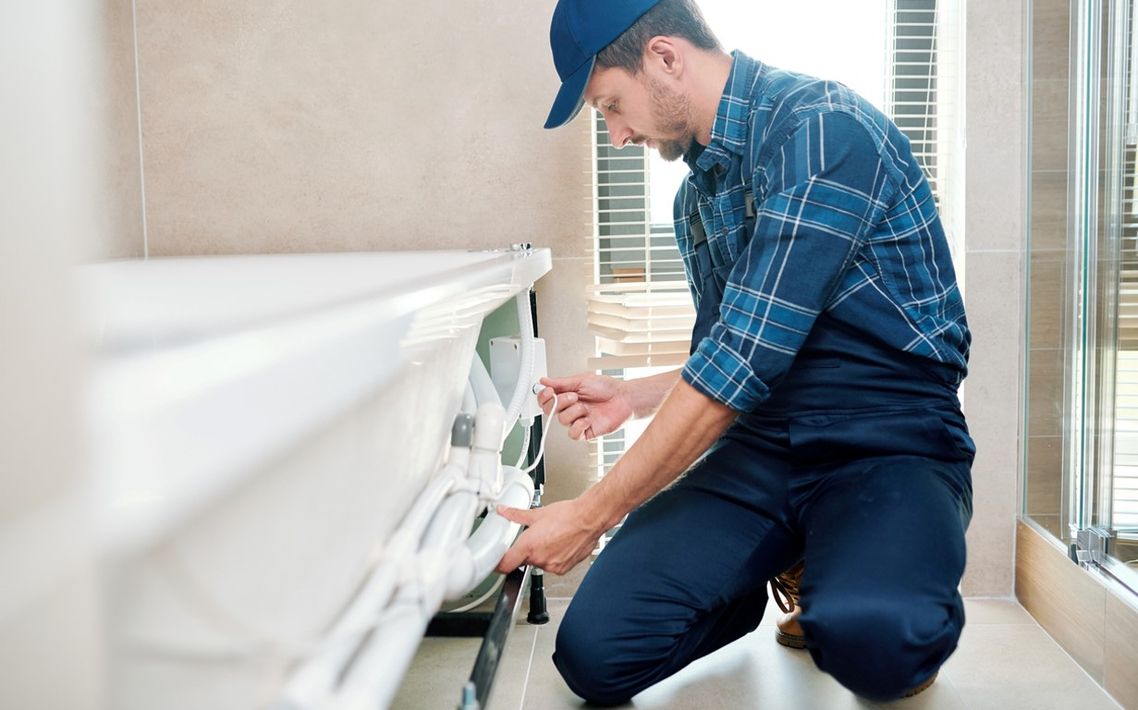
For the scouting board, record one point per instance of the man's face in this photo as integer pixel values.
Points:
(641, 109)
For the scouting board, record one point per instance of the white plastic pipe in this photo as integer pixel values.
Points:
(314, 681)
(379, 667)
(451, 524)
(469, 399)
(447, 563)
(486, 453)
(481, 552)
(482, 384)
(377, 672)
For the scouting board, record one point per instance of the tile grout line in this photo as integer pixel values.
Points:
(529, 669)
(1079, 666)
(138, 107)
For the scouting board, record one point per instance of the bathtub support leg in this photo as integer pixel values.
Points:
(538, 614)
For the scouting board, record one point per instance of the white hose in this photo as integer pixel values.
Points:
(522, 389)
(525, 447)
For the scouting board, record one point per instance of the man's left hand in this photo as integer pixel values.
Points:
(558, 537)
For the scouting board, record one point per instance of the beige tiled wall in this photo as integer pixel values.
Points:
(994, 228)
(1049, 259)
(283, 125)
(288, 126)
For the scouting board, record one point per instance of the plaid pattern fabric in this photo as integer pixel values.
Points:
(843, 222)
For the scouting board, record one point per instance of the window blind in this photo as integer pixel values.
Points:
(915, 78)
(640, 309)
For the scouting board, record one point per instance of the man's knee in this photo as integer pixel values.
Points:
(587, 657)
(881, 647)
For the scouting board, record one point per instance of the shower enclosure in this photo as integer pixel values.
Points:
(1081, 442)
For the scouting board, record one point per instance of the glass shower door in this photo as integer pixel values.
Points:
(1112, 536)
(1081, 436)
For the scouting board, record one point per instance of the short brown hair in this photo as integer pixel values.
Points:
(670, 18)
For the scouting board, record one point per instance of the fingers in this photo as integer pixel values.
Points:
(576, 418)
(562, 384)
(517, 515)
(515, 556)
(572, 413)
(582, 430)
(570, 410)
(545, 399)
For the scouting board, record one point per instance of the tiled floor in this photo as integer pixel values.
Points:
(1005, 662)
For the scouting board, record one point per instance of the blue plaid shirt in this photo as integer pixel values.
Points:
(843, 222)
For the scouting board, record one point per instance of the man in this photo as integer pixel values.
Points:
(820, 393)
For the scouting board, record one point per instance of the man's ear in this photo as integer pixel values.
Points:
(663, 54)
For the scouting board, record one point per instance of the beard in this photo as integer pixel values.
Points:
(671, 112)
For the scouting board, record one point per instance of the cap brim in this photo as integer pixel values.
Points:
(571, 97)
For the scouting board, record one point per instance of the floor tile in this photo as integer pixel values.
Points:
(513, 673)
(437, 674)
(1005, 662)
(443, 665)
(1012, 666)
(564, 587)
(756, 672)
(546, 690)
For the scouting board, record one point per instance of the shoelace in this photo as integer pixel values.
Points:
(784, 588)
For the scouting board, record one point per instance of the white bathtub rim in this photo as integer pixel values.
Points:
(117, 320)
(142, 490)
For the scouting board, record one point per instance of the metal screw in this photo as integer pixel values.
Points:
(469, 697)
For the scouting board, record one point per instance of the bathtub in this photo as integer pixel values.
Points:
(258, 426)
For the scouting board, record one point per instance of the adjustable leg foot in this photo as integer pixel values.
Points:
(538, 614)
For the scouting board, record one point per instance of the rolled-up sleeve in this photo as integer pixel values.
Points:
(827, 186)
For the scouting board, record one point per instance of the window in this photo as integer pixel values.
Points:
(640, 308)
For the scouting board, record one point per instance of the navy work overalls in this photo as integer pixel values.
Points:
(859, 463)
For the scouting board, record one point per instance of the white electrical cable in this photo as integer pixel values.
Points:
(544, 436)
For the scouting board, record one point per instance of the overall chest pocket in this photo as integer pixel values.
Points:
(711, 296)
(734, 224)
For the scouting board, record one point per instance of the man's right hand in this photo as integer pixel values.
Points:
(588, 405)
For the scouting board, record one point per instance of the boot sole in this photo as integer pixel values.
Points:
(922, 687)
(790, 640)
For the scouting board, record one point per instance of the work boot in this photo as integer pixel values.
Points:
(788, 632)
(784, 589)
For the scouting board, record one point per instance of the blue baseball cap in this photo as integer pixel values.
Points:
(579, 30)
